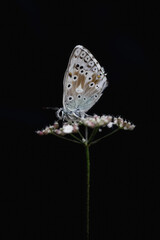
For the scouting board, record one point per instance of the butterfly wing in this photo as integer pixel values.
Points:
(84, 81)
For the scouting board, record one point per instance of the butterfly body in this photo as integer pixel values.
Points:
(83, 84)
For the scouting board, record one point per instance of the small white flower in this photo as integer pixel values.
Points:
(90, 121)
(110, 124)
(120, 122)
(115, 121)
(59, 132)
(133, 126)
(68, 128)
(106, 119)
(97, 119)
(46, 131)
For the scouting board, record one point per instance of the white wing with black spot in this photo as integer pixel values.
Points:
(84, 81)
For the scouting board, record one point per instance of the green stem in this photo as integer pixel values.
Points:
(79, 140)
(65, 138)
(80, 134)
(86, 133)
(109, 134)
(93, 134)
(88, 187)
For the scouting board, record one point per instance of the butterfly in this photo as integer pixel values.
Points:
(83, 84)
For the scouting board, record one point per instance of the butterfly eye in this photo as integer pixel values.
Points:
(77, 52)
(91, 63)
(91, 84)
(69, 86)
(83, 54)
(75, 77)
(87, 58)
(70, 98)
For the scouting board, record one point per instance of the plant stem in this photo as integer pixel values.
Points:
(88, 187)
(66, 138)
(93, 134)
(80, 135)
(79, 140)
(109, 134)
(86, 133)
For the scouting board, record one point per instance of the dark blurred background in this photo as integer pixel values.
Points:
(43, 181)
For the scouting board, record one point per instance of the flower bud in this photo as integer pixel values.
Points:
(75, 128)
(40, 133)
(56, 125)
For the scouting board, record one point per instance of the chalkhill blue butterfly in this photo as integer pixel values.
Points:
(83, 84)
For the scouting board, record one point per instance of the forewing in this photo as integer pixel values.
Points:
(84, 81)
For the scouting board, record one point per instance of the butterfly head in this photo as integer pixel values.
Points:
(64, 115)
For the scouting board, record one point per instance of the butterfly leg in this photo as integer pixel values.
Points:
(60, 113)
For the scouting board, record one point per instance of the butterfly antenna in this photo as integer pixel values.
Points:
(50, 108)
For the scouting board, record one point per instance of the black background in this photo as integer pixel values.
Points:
(43, 184)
